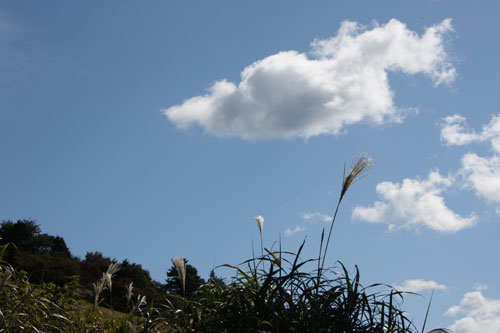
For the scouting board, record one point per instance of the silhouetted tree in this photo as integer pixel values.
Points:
(22, 234)
(44, 257)
(27, 237)
(59, 246)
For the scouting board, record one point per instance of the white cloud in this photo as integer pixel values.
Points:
(454, 132)
(415, 203)
(480, 314)
(314, 217)
(480, 286)
(420, 285)
(342, 81)
(480, 173)
(290, 232)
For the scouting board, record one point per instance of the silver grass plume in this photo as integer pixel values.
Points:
(260, 223)
(360, 165)
(110, 274)
(129, 292)
(106, 281)
(141, 301)
(180, 265)
(98, 288)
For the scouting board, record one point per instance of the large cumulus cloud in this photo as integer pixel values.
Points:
(342, 81)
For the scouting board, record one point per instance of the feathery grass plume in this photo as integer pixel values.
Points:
(260, 222)
(180, 265)
(141, 301)
(106, 281)
(129, 292)
(98, 288)
(110, 273)
(113, 268)
(360, 165)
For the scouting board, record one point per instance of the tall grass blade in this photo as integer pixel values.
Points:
(427, 312)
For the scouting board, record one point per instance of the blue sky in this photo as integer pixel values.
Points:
(150, 131)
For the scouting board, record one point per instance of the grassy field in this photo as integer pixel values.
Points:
(272, 292)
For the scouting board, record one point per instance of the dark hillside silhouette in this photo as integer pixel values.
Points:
(47, 258)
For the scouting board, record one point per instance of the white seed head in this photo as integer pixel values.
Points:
(110, 273)
(113, 268)
(98, 288)
(180, 265)
(130, 289)
(260, 222)
(141, 300)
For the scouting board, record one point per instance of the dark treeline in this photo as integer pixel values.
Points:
(47, 259)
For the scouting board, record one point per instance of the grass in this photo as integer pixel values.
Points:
(284, 298)
(273, 292)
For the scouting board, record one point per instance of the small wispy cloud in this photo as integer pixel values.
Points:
(481, 286)
(290, 232)
(480, 314)
(454, 132)
(342, 81)
(420, 285)
(314, 217)
(415, 203)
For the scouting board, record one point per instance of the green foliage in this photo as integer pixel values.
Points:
(92, 268)
(25, 306)
(142, 283)
(272, 293)
(22, 233)
(286, 298)
(47, 267)
(45, 257)
(27, 237)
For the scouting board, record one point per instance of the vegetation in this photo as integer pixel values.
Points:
(47, 259)
(284, 298)
(275, 292)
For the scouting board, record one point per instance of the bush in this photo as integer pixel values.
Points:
(284, 298)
